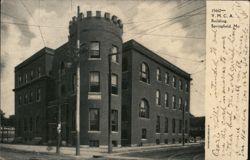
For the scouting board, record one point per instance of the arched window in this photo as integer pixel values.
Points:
(158, 74)
(158, 97)
(144, 109)
(144, 73)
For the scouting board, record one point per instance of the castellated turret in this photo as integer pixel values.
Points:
(96, 26)
(100, 34)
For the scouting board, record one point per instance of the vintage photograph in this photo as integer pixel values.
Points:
(103, 79)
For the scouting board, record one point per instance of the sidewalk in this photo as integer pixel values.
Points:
(88, 152)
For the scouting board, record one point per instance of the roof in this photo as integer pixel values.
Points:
(132, 44)
(38, 54)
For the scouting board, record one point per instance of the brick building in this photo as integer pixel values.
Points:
(153, 96)
(140, 81)
(33, 87)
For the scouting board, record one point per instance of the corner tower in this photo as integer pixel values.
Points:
(100, 34)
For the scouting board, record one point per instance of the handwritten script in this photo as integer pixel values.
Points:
(227, 80)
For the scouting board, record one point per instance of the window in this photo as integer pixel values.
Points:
(173, 125)
(124, 83)
(31, 75)
(173, 141)
(115, 58)
(39, 72)
(124, 113)
(93, 143)
(144, 73)
(166, 125)
(19, 79)
(166, 99)
(144, 109)
(37, 124)
(158, 97)
(114, 144)
(186, 87)
(186, 106)
(180, 85)
(25, 125)
(174, 82)
(74, 81)
(179, 140)
(38, 94)
(93, 119)
(186, 126)
(143, 133)
(63, 68)
(158, 74)
(20, 100)
(166, 78)
(157, 141)
(180, 126)
(94, 82)
(94, 50)
(180, 103)
(31, 127)
(63, 90)
(166, 141)
(31, 97)
(173, 102)
(158, 124)
(114, 120)
(26, 98)
(114, 84)
(124, 64)
(26, 78)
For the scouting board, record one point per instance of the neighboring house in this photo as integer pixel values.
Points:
(197, 127)
(148, 92)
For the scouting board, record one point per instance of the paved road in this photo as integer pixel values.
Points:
(10, 154)
(178, 153)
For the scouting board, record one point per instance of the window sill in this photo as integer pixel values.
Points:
(158, 105)
(144, 118)
(93, 59)
(115, 62)
(115, 132)
(166, 133)
(157, 133)
(144, 82)
(94, 95)
(144, 139)
(94, 132)
(116, 95)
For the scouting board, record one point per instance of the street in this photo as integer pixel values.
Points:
(195, 152)
(187, 153)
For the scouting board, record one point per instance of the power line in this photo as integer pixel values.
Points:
(198, 71)
(33, 20)
(173, 36)
(32, 25)
(162, 18)
(177, 17)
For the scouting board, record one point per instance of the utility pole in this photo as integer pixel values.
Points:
(59, 124)
(78, 85)
(183, 126)
(109, 101)
(109, 106)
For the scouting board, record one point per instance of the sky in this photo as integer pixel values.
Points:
(175, 30)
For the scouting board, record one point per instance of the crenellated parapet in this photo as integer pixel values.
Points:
(95, 19)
